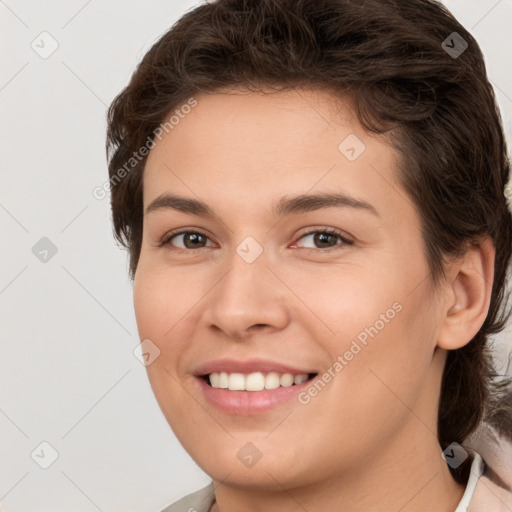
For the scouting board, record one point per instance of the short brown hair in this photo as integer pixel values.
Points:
(391, 57)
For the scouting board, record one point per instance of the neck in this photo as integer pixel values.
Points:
(409, 476)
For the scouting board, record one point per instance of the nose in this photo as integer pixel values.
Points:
(249, 299)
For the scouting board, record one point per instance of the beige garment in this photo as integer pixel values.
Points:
(199, 501)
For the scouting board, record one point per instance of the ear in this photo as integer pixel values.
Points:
(466, 294)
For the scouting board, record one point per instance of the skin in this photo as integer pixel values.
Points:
(368, 440)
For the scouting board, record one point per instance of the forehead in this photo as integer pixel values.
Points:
(249, 146)
(242, 121)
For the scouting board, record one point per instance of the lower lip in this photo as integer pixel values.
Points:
(250, 402)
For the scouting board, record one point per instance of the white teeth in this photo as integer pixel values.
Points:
(256, 381)
(223, 380)
(272, 380)
(214, 380)
(300, 378)
(236, 382)
(287, 380)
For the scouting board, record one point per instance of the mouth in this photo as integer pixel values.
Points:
(255, 381)
(251, 386)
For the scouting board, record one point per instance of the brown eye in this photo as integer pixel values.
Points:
(324, 239)
(186, 240)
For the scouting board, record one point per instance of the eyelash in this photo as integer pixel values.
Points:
(328, 231)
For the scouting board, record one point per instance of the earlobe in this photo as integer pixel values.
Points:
(467, 295)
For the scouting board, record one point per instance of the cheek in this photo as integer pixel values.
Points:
(157, 311)
(160, 299)
(148, 307)
(346, 301)
(372, 324)
(389, 373)
(166, 310)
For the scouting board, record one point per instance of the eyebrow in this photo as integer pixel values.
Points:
(302, 203)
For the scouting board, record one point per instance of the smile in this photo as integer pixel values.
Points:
(256, 381)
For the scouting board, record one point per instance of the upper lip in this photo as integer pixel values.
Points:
(248, 366)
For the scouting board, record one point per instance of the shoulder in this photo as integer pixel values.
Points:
(494, 491)
(198, 501)
(489, 488)
(489, 496)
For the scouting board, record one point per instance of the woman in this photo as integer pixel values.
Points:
(312, 196)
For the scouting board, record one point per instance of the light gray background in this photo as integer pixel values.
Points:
(69, 376)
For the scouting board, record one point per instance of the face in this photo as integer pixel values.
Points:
(288, 248)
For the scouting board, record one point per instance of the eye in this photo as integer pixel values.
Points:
(322, 239)
(186, 240)
(325, 239)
